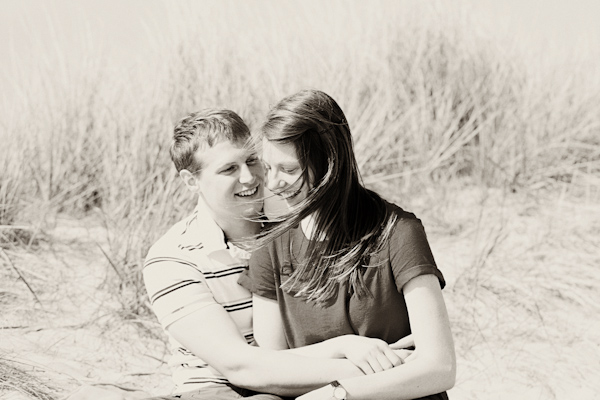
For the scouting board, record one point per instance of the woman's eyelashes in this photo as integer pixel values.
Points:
(289, 170)
(285, 170)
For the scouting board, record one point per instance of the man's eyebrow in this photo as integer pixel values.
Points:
(226, 165)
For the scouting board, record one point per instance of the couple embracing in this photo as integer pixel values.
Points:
(316, 302)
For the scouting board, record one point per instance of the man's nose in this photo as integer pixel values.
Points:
(246, 175)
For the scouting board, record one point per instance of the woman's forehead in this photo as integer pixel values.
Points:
(279, 153)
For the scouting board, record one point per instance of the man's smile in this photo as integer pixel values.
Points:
(248, 192)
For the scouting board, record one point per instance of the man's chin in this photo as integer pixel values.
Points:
(252, 213)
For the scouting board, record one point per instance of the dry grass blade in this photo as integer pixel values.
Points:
(14, 267)
(110, 262)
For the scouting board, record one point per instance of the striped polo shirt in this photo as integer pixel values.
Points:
(187, 269)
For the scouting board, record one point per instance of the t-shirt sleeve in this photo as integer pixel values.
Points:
(410, 254)
(260, 276)
(176, 288)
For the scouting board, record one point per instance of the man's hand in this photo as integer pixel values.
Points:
(369, 354)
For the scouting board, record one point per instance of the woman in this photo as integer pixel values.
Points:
(344, 261)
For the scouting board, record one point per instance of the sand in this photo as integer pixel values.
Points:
(522, 277)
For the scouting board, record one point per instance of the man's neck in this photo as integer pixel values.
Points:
(239, 231)
(235, 229)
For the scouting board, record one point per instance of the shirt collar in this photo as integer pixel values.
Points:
(210, 233)
(213, 237)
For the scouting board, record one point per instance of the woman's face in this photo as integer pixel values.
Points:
(284, 172)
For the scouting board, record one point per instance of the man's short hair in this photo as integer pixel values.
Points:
(203, 129)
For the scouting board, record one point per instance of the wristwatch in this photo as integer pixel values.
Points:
(339, 393)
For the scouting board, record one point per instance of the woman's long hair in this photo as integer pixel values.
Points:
(350, 222)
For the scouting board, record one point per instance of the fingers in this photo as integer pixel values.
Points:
(404, 354)
(365, 367)
(407, 341)
(383, 358)
(379, 363)
(375, 355)
(375, 362)
(394, 359)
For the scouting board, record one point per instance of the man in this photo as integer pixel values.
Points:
(191, 274)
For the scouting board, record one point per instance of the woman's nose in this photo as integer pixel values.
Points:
(273, 181)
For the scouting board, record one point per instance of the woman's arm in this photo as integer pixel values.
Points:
(433, 369)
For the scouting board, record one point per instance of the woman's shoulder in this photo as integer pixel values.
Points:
(282, 241)
(401, 215)
(405, 226)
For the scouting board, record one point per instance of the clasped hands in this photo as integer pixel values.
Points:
(373, 355)
(369, 355)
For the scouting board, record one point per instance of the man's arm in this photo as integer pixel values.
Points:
(186, 308)
(369, 354)
(211, 334)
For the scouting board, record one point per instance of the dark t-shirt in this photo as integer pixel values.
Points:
(382, 314)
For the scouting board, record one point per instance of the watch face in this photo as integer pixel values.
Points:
(339, 393)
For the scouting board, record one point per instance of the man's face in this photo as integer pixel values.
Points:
(284, 172)
(231, 181)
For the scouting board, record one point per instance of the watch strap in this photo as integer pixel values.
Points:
(339, 392)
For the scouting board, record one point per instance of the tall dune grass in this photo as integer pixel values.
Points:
(18, 382)
(427, 96)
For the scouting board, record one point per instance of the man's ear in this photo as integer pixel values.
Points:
(190, 180)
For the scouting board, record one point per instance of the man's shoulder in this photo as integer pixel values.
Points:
(179, 240)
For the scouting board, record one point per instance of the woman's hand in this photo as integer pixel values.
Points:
(369, 354)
